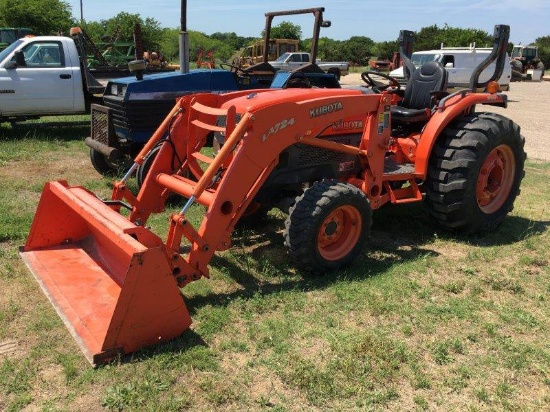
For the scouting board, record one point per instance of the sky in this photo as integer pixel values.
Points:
(379, 20)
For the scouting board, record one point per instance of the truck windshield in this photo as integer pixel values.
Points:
(7, 51)
(419, 59)
(282, 57)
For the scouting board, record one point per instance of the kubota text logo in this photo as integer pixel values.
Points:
(351, 125)
(326, 109)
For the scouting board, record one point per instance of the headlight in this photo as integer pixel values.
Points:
(114, 89)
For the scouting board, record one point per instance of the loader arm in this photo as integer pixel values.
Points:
(269, 123)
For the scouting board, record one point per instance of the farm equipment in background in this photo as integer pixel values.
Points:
(209, 63)
(132, 108)
(526, 64)
(327, 157)
(10, 34)
(386, 65)
(254, 53)
(110, 58)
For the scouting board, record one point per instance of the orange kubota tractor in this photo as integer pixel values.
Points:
(327, 156)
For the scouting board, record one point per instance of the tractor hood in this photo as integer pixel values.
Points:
(258, 99)
(174, 83)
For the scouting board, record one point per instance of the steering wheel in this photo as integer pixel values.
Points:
(378, 86)
(298, 79)
(233, 68)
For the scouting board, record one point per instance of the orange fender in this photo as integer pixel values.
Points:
(450, 109)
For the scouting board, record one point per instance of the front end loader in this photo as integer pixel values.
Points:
(326, 157)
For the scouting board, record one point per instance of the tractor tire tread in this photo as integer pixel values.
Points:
(303, 219)
(454, 166)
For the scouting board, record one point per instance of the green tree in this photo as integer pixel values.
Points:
(432, 37)
(386, 49)
(197, 41)
(236, 42)
(328, 49)
(427, 38)
(285, 30)
(121, 27)
(42, 16)
(170, 44)
(357, 50)
(543, 43)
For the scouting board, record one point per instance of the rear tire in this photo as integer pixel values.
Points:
(328, 226)
(475, 173)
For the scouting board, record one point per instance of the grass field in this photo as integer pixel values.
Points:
(421, 321)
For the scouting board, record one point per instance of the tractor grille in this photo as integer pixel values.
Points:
(138, 115)
(116, 106)
(101, 126)
(309, 155)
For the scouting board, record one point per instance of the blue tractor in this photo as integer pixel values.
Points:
(133, 107)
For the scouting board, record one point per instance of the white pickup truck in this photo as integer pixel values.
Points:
(291, 61)
(43, 76)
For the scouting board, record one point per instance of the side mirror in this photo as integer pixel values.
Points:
(20, 58)
(11, 65)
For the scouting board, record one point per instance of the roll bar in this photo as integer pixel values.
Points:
(319, 22)
(406, 40)
(501, 35)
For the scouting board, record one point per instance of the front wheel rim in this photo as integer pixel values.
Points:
(495, 179)
(339, 233)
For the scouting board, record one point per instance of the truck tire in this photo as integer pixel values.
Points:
(475, 173)
(100, 164)
(328, 226)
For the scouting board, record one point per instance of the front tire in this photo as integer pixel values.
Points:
(475, 173)
(328, 226)
(100, 164)
(143, 169)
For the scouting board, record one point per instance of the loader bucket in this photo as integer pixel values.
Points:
(109, 280)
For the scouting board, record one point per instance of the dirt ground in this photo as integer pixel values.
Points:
(529, 106)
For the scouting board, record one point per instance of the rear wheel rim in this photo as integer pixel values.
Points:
(339, 233)
(495, 179)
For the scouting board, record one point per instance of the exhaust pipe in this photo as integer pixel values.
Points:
(184, 39)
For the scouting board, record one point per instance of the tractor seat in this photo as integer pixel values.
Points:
(426, 82)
